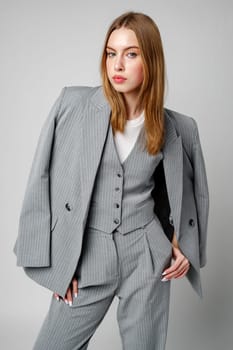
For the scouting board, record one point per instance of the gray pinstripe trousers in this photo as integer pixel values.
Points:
(127, 266)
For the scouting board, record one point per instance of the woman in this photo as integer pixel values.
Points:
(117, 199)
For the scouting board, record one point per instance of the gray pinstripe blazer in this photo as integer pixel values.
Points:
(61, 179)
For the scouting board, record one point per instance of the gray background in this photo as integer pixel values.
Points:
(46, 45)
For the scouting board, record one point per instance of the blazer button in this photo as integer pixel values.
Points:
(192, 222)
(68, 207)
(171, 220)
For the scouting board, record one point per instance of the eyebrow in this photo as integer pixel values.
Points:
(127, 48)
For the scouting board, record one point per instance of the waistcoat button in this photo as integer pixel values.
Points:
(117, 189)
(68, 207)
(119, 175)
(117, 205)
(191, 222)
(116, 221)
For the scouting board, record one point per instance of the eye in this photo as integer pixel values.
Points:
(131, 54)
(110, 54)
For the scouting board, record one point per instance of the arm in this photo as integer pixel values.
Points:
(33, 243)
(175, 241)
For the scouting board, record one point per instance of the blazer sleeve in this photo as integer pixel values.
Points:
(201, 193)
(32, 246)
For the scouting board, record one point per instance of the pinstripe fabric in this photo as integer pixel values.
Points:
(130, 268)
(62, 177)
(121, 197)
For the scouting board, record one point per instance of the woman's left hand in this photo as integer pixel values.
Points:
(179, 268)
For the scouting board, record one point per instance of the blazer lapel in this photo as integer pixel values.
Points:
(94, 132)
(173, 169)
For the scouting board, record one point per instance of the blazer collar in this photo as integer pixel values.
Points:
(98, 99)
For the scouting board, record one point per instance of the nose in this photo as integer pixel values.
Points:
(118, 64)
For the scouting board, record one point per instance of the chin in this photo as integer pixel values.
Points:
(118, 89)
(122, 89)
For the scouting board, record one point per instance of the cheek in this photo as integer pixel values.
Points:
(108, 67)
(139, 73)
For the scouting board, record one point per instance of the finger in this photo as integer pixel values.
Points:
(56, 296)
(183, 268)
(183, 273)
(69, 297)
(173, 267)
(65, 298)
(177, 271)
(180, 273)
(75, 287)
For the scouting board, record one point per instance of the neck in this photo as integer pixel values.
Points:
(131, 106)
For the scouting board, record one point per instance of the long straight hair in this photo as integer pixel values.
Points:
(151, 93)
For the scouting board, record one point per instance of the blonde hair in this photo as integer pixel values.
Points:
(151, 94)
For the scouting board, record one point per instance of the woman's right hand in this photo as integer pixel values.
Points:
(71, 291)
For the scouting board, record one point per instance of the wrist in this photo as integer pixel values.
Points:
(175, 241)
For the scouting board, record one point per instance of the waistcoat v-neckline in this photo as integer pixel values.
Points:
(132, 150)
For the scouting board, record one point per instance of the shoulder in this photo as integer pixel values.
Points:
(183, 123)
(72, 95)
(74, 99)
(186, 126)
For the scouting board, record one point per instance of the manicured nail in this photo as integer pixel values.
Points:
(70, 303)
(164, 279)
(66, 301)
(164, 273)
(75, 295)
(58, 299)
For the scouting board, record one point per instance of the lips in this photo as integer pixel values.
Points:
(118, 79)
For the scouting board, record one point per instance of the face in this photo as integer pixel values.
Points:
(124, 61)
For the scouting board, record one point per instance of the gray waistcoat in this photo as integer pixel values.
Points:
(121, 197)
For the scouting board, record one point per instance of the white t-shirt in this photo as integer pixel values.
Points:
(125, 141)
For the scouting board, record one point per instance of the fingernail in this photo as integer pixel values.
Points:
(66, 301)
(75, 295)
(58, 299)
(164, 279)
(164, 273)
(70, 303)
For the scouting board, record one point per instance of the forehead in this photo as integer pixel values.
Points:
(122, 38)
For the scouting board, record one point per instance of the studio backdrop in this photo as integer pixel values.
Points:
(46, 45)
